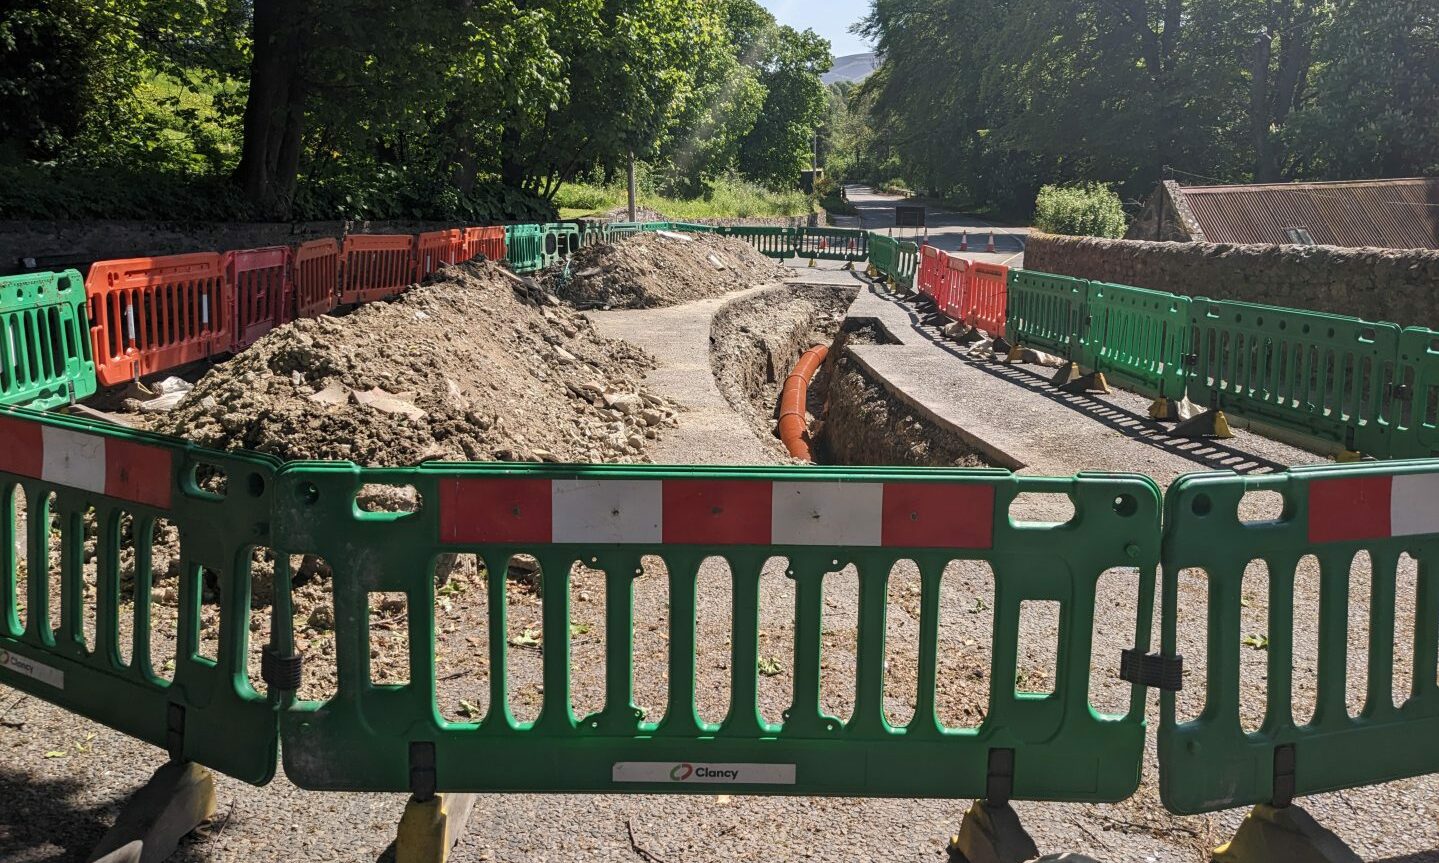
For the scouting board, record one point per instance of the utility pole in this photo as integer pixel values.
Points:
(634, 212)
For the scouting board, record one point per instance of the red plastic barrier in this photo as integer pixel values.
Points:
(317, 273)
(931, 265)
(988, 297)
(148, 315)
(259, 284)
(489, 242)
(376, 266)
(436, 248)
(953, 286)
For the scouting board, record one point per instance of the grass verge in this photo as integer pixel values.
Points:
(729, 199)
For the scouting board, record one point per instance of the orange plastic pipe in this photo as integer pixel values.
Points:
(793, 426)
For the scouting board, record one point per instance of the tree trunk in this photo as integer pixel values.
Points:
(275, 110)
(1259, 110)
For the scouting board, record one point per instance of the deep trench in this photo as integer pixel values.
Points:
(854, 421)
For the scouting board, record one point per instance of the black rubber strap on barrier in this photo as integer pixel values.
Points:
(423, 779)
(1152, 670)
(1285, 759)
(281, 673)
(999, 784)
(175, 731)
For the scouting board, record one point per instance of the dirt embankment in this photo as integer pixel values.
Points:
(474, 365)
(756, 341)
(650, 270)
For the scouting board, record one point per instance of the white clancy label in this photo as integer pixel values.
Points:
(691, 773)
(32, 669)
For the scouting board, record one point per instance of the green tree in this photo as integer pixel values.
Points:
(1376, 93)
(780, 144)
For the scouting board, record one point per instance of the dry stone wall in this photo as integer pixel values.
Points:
(1395, 285)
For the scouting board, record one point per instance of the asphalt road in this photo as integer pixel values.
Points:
(946, 229)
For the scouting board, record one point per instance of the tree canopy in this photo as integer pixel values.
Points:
(987, 100)
(347, 108)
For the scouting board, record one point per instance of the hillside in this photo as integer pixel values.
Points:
(855, 67)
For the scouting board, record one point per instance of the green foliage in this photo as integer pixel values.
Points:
(368, 109)
(832, 200)
(1061, 91)
(1085, 210)
(725, 198)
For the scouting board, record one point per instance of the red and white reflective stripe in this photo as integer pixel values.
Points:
(1373, 507)
(716, 512)
(73, 459)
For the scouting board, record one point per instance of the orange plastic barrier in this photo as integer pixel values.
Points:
(148, 315)
(931, 265)
(987, 298)
(376, 266)
(317, 273)
(435, 248)
(489, 242)
(258, 281)
(953, 286)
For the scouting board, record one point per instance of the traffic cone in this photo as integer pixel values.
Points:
(990, 248)
(964, 241)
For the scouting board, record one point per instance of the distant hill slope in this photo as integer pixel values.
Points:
(855, 67)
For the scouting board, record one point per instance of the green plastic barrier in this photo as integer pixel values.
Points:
(45, 349)
(74, 640)
(1047, 312)
(777, 243)
(1332, 513)
(569, 238)
(882, 252)
(617, 231)
(531, 248)
(1138, 338)
(906, 264)
(393, 737)
(1323, 376)
(692, 228)
(1414, 401)
(833, 244)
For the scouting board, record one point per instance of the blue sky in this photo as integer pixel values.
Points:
(828, 18)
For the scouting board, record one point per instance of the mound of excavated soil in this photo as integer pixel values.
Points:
(662, 269)
(474, 365)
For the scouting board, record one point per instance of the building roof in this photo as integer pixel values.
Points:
(1393, 214)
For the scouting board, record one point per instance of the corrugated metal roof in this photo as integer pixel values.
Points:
(1390, 214)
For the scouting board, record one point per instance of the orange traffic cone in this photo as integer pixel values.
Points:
(964, 241)
(990, 248)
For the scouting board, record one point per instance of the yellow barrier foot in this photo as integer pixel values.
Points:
(1015, 354)
(848, 266)
(812, 263)
(991, 833)
(178, 798)
(1287, 835)
(430, 828)
(1208, 424)
(1067, 375)
(1349, 456)
(1093, 382)
(1181, 410)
